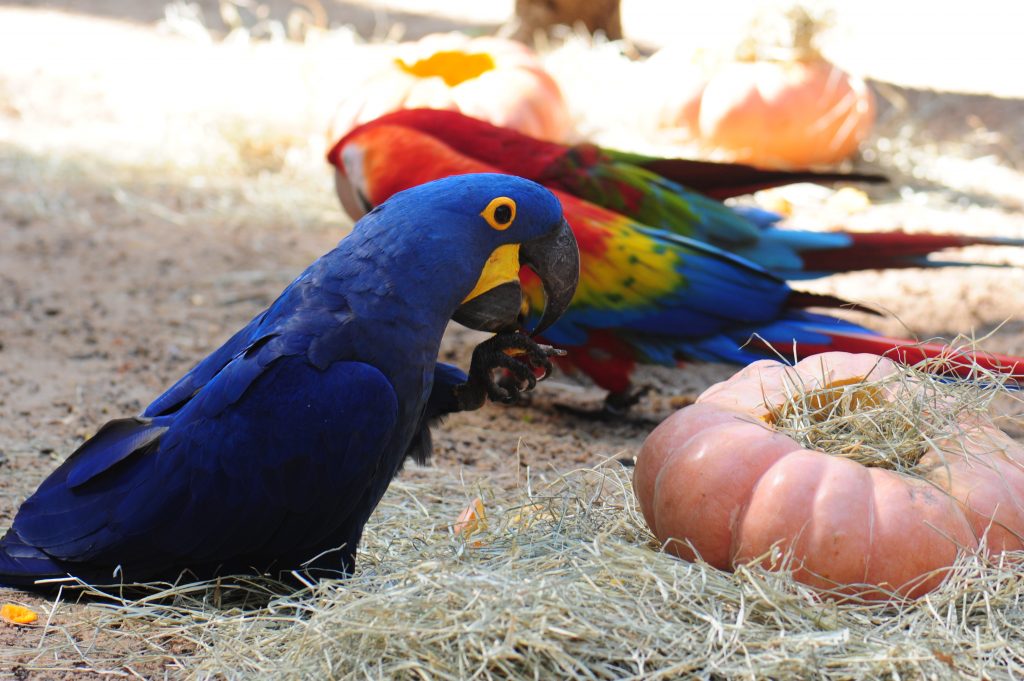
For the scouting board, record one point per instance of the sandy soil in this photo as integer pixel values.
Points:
(120, 269)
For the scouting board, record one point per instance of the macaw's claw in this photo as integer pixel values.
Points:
(519, 358)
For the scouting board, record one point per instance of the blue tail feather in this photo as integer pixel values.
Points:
(22, 564)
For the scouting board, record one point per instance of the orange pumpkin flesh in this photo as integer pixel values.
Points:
(719, 477)
(453, 67)
(17, 614)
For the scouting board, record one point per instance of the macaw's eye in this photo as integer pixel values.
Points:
(503, 214)
(500, 213)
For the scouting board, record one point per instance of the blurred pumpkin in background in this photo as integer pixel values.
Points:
(493, 79)
(773, 107)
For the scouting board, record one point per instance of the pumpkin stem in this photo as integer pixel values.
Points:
(805, 29)
(789, 36)
(452, 66)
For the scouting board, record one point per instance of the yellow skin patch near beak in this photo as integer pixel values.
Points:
(501, 268)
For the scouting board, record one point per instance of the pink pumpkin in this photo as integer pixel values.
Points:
(493, 79)
(719, 477)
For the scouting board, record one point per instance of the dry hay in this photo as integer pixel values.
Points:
(563, 581)
(894, 421)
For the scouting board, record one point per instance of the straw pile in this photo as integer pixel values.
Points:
(892, 422)
(563, 582)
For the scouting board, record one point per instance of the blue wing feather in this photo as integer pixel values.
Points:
(199, 375)
(719, 302)
(718, 290)
(113, 443)
(237, 463)
(442, 401)
(287, 327)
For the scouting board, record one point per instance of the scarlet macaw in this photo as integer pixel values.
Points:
(645, 295)
(271, 453)
(657, 192)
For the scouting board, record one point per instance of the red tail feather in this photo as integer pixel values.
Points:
(888, 250)
(957, 360)
(723, 180)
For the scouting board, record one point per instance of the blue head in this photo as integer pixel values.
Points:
(461, 241)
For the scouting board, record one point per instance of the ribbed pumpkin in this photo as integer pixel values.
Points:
(773, 106)
(718, 476)
(493, 79)
(785, 113)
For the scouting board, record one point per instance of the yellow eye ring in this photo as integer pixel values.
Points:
(500, 213)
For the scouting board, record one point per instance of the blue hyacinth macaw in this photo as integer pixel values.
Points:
(271, 453)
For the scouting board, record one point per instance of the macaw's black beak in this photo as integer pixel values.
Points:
(352, 199)
(494, 310)
(496, 301)
(555, 259)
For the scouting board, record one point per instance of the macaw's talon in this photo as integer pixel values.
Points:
(517, 356)
(551, 351)
(536, 356)
(510, 382)
(529, 352)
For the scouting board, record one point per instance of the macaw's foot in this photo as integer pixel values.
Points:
(510, 383)
(517, 356)
(616, 406)
(619, 404)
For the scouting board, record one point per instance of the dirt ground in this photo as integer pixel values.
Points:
(121, 267)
